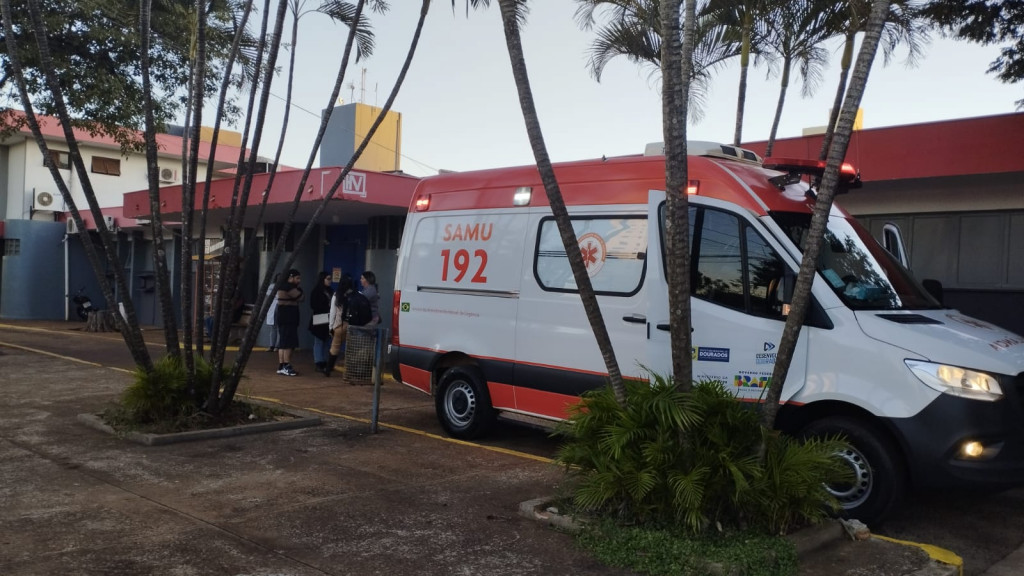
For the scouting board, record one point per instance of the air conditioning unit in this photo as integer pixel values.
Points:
(50, 201)
(72, 227)
(168, 175)
(109, 221)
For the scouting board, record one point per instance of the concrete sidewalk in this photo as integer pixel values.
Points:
(333, 499)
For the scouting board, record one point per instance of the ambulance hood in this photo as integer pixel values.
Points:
(948, 337)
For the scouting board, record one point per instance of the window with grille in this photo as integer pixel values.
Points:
(60, 159)
(12, 247)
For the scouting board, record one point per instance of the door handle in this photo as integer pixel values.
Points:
(667, 327)
(635, 318)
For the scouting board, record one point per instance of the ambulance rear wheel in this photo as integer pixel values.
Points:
(878, 477)
(463, 404)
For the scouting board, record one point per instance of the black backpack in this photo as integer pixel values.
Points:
(359, 312)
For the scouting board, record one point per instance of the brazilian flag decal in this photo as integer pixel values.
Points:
(406, 307)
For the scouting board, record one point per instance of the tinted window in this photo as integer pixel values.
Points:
(731, 264)
(718, 259)
(614, 251)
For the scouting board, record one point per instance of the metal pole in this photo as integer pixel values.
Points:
(378, 369)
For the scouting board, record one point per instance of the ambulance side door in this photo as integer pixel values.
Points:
(557, 354)
(736, 282)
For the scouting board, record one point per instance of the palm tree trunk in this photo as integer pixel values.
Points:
(241, 359)
(741, 99)
(778, 108)
(676, 61)
(837, 104)
(509, 18)
(197, 97)
(262, 302)
(130, 328)
(822, 207)
(231, 263)
(163, 278)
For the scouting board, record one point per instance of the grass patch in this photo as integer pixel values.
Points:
(655, 551)
(123, 420)
(159, 402)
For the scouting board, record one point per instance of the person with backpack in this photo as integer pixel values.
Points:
(338, 321)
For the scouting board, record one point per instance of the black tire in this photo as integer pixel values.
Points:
(880, 477)
(463, 403)
(83, 314)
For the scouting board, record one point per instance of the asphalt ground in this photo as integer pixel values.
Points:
(333, 499)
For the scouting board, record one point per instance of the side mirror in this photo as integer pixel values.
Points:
(933, 287)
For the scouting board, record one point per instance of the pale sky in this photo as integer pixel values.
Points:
(460, 110)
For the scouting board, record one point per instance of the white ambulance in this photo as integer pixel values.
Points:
(487, 318)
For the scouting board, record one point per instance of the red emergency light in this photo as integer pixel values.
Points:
(796, 168)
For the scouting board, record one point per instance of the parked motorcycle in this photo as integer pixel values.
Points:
(83, 304)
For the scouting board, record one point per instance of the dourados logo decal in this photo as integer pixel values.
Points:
(705, 354)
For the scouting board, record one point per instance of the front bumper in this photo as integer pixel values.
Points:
(932, 439)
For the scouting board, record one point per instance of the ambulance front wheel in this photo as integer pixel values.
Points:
(878, 478)
(463, 404)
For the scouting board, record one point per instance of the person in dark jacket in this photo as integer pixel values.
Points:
(369, 282)
(320, 303)
(289, 294)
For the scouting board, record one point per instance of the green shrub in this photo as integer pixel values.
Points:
(162, 396)
(698, 461)
(662, 551)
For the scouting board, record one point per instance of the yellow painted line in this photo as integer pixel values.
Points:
(406, 429)
(101, 335)
(62, 357)
(936, 553)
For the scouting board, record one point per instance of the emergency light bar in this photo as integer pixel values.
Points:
(796, 168)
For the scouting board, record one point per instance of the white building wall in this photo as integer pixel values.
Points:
(27, 174)
(16, 209)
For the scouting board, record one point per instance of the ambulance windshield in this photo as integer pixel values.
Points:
(862, 273)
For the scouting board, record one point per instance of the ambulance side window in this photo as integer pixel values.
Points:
(732, 265)
(718, 259)
(614, 251)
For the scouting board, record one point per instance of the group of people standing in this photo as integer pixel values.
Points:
(332, 313)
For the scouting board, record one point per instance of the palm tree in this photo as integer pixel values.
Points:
(903, 26)
(795, 31)
(822, 206)
(746, 17)
(130, 328)
(675, 80)
(633, 30)
(513, 14)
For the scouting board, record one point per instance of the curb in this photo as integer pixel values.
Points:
(806, 541)
(95, 422)
(538, 510)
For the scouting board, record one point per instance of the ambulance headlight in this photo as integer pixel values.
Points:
(957, 381)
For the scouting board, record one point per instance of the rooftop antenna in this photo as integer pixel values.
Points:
(362, 88)
(352, 91)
